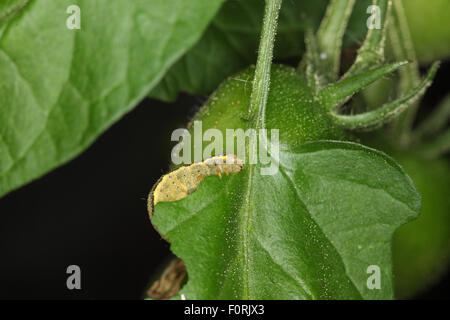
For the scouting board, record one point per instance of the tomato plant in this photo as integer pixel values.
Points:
(313, 204)
(303, 105)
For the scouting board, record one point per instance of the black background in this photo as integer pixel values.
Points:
(92, 212)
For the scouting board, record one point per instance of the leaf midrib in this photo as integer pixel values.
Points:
(245, 221)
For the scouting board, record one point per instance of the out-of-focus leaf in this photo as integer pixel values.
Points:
(422, 247)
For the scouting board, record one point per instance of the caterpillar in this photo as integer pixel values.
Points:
(178, 184)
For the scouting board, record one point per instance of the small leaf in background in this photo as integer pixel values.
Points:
(231, 43)
(61, 88)
(314, 230)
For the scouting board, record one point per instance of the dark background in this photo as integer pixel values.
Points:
(92, 212)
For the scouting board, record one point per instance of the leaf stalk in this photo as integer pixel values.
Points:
(261, 81)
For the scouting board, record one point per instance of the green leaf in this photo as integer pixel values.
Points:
(231, 43)
(308, 232)
(61, 88)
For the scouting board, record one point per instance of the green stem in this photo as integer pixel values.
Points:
(338, 93)
(309, 66)
(387, 112)
(261, 81)
(372, 50)
(258, 100)
(330, 35)
(403, 49)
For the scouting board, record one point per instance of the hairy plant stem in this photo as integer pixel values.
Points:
(258, 101)
(403, 49)
(261, 81)
(330, 36)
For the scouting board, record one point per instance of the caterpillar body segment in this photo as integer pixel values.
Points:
(181, 182)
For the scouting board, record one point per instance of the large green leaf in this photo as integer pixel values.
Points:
(231, 43)
(61, 88)
(308, 232)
